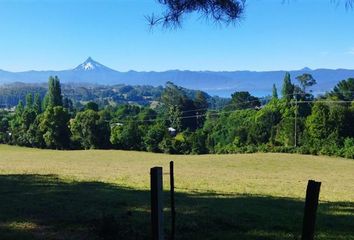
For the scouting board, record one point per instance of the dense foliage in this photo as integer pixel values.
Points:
(80, 94)
(184, 123)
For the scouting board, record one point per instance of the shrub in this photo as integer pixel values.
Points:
(348, 149)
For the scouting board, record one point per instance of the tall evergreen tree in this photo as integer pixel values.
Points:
(274, 92)
(54, 97)
(19, 108)
(288, 88)
(68, 104)
(29, 100)
(16, 125)
(37, 105)
(54, 126)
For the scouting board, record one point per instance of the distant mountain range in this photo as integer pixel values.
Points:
(221, 83)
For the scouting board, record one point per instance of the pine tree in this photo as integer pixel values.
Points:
(37, 105)
(19, 108)
(288, 88)
(29, 100)
(274, 92)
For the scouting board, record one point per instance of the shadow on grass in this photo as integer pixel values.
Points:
(46, 207)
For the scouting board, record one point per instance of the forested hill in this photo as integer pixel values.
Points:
(80, 94)
(221, 83)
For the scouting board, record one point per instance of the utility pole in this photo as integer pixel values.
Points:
(295, 125)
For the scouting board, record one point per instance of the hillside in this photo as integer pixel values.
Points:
(104, 95)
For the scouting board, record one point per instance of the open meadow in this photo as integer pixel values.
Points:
(104, 194)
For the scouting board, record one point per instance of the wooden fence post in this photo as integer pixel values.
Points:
(173, 210)
(156, 203)
(312, 195)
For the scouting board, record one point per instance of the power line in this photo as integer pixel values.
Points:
(245, 102)
(213, 113)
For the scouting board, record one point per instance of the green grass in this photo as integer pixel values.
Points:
(95, 194)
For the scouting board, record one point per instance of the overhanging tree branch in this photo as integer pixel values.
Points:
(224, 12)
(219, 11)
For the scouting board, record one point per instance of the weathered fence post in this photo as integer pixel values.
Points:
(173, 210)
(312, 195)
(156, 203)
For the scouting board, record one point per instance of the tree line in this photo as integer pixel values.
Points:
(103, 95)
(184, 123)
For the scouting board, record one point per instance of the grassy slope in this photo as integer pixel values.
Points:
(251, 196)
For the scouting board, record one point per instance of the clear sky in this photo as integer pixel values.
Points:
(60, 34)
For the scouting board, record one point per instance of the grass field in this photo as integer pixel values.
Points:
(94, 194)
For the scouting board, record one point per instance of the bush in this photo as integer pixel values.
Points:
(265, 148)
(251, 149)
(330, 150)
(348, 149)
(3, 137)
(166, 146)
(304, 150)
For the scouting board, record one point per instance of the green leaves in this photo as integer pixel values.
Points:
(89, 130)
(306, 80)
(54, 97)
(54, 126)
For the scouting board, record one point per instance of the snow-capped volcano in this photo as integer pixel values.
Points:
(91, 65)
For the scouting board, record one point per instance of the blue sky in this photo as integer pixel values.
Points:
(60, 34)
